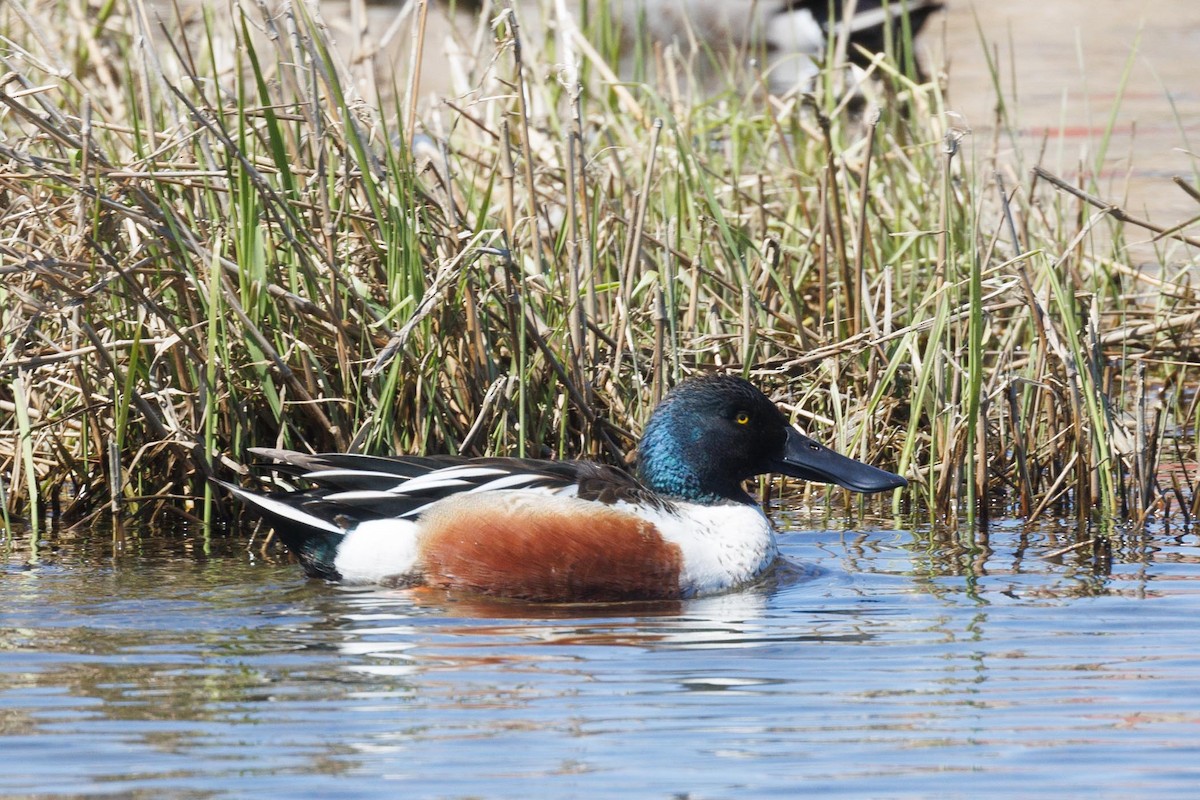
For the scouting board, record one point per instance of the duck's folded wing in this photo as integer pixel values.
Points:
(402, 487)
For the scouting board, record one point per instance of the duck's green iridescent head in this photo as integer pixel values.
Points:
(710, 434)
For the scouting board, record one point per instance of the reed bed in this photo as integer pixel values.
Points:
(234, 235)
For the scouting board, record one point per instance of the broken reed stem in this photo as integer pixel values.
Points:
(1019, 438)
(633, 253)
(833, 198)
(860, 243)
(1188, 189)
(945, 440)
(414, 71)
(1113, 209)
(577, 316)
(531, 191)
(1140, 448)
(658, 360)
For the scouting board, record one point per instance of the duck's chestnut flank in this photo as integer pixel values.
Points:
(567, 531)
(534, 548)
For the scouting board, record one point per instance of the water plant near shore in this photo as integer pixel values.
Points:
(239, 243)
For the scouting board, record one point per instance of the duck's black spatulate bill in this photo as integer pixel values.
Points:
(810, 460)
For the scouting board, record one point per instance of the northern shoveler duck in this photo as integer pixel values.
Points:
(564, 531)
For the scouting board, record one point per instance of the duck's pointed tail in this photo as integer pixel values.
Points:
(312, 539)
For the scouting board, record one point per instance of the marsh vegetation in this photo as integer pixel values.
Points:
(225, 233)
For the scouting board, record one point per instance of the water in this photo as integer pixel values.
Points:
(1071, 70)
(874, 663)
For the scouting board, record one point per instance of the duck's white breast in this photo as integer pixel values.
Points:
(723, 546)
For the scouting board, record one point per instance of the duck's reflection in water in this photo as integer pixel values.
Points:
(402, 631)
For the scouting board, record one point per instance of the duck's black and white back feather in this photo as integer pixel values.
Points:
(351, 488)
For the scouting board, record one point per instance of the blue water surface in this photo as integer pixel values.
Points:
(876, 662)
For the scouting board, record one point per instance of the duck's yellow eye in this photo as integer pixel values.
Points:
(742, 418)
